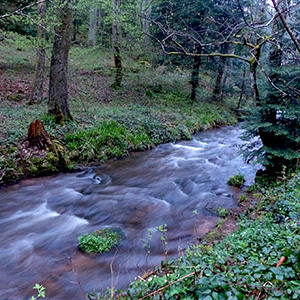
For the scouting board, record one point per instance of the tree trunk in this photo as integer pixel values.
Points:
(195, 75)
(256, 52)
(58, 85)
(93, 26)
(285, 24)
(242, 90)
(76, 24)
(38, 84)
(254, 86)
(116, 32)
(217, 92)
(146, 10)
(100, 24)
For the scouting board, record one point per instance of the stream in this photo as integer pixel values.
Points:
(41, 218)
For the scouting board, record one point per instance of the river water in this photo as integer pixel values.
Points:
(42, 218)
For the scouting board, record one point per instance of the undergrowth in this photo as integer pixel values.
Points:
(243, 265)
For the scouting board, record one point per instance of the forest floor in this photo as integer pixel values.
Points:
(151, 107)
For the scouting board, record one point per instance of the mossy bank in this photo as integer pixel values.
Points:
(113, 131)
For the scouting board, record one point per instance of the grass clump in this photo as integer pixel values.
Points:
(100, 240)
(223, 212)
(236, 180)
(242, 198)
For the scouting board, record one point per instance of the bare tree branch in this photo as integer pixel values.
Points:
(20, 10)
(285, 24)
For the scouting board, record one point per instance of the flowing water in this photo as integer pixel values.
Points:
(42, 218)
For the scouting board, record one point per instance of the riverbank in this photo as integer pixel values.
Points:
(151, 108)
(175, 184)
(259, 260)
(113, 130)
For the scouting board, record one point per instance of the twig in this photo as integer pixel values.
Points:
(168, 285)
(267, 76)
(20, 10)
(112, 293)
(78, 279)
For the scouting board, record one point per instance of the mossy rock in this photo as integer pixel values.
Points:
(101, 240)
(236, 180)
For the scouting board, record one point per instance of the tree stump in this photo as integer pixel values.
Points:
(38, 136)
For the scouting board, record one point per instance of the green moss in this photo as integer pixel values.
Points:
(101, 240)
(52, 157)
(236, 180)
(15, 97)
(242, 198)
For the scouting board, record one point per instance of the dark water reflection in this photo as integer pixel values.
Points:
(41, 219)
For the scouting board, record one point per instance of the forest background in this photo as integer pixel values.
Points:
(197, 55)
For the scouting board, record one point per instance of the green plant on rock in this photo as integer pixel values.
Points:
(100, 240)
(252, 188)
(236, 180)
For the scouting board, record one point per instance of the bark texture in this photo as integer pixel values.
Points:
(116, 33)
(195, 75)
(242, 90)
(58, 85)
(38, 84)
(37, 136)
(146, 10)
(256, 53)
(217, 92)
(93, 26)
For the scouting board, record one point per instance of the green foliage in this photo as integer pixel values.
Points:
(41, 292)
(223, 212)
(146, 243)
(252, 188)
(277, 123)
(242, 266)
(242, 198)
(236, 180)
(164, 238)
(107, 140)
(99, 241)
